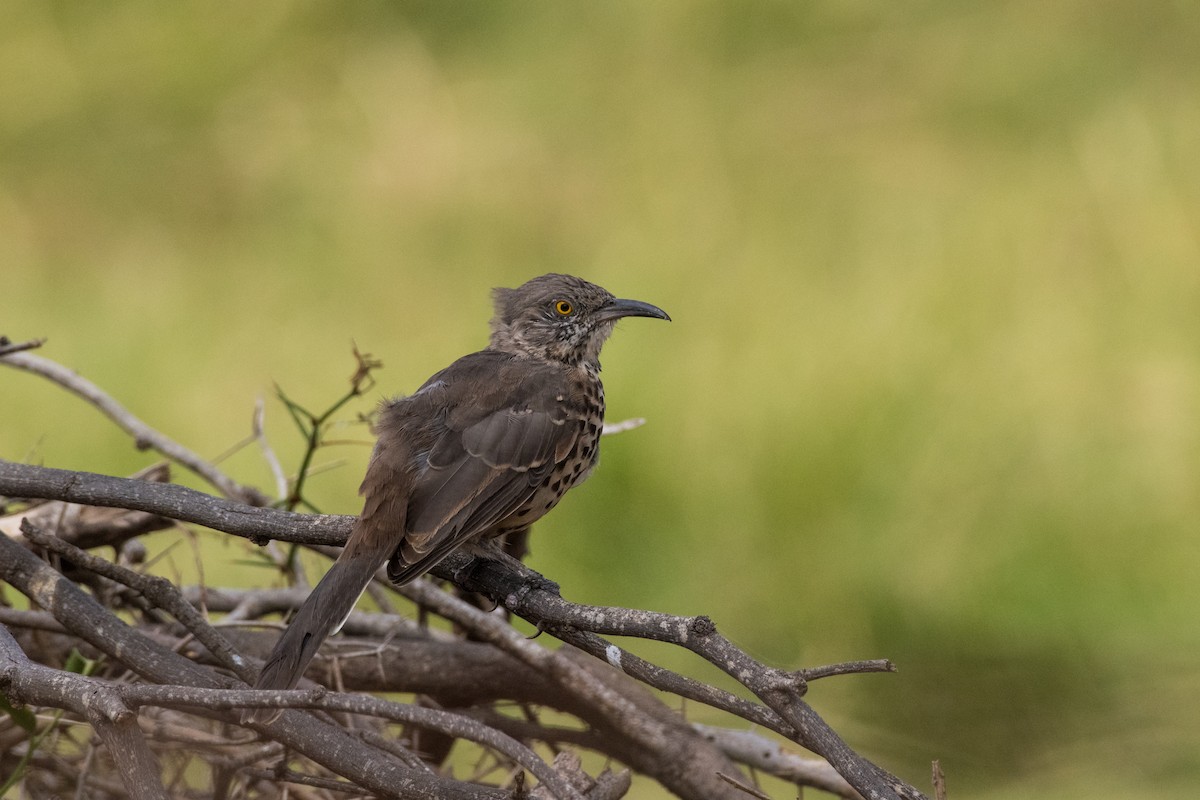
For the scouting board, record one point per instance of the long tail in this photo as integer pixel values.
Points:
(321, 615)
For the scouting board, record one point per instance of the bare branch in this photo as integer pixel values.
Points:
(89, 526)
(159, 591)
(526, 593)
(313, 426)
(8, 347)
(28, 682)
(939, 781)
(184, 697)
(608, 786)
(848, 668)
(746, 790)
(260, 435)
(33, 620)
(325, 744)
(591, 690)
(611, 428)
(144, 436)
(259, 525)
(692, 764)
(765, 755)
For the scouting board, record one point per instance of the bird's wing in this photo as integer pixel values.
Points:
(463, 453)
(497, 445)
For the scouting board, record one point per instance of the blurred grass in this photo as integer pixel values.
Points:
(932, 390)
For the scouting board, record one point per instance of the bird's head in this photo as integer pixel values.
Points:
(560, 318)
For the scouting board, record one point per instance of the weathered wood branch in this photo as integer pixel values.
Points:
(635, 727)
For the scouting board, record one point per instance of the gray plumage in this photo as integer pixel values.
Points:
(484, 448)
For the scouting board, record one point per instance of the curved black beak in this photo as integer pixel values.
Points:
(616, 309)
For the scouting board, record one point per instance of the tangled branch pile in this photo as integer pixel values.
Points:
(121, 684)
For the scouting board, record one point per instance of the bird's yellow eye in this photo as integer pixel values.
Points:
(563, 307)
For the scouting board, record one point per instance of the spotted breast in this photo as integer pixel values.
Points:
(587, 413)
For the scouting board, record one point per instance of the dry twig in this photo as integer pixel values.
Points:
(190, 675)
(586, 688)
(145, 437)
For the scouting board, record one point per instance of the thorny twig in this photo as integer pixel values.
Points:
(520, 589)
(145, 437)
(313, 426)
(8, 347)
(622, 720)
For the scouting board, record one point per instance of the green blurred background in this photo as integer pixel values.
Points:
(932, 391)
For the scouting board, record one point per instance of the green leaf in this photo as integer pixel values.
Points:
(22, 716)
(78, 664)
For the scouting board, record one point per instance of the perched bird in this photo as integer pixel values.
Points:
(484, 448)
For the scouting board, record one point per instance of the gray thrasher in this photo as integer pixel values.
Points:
(485, 448)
